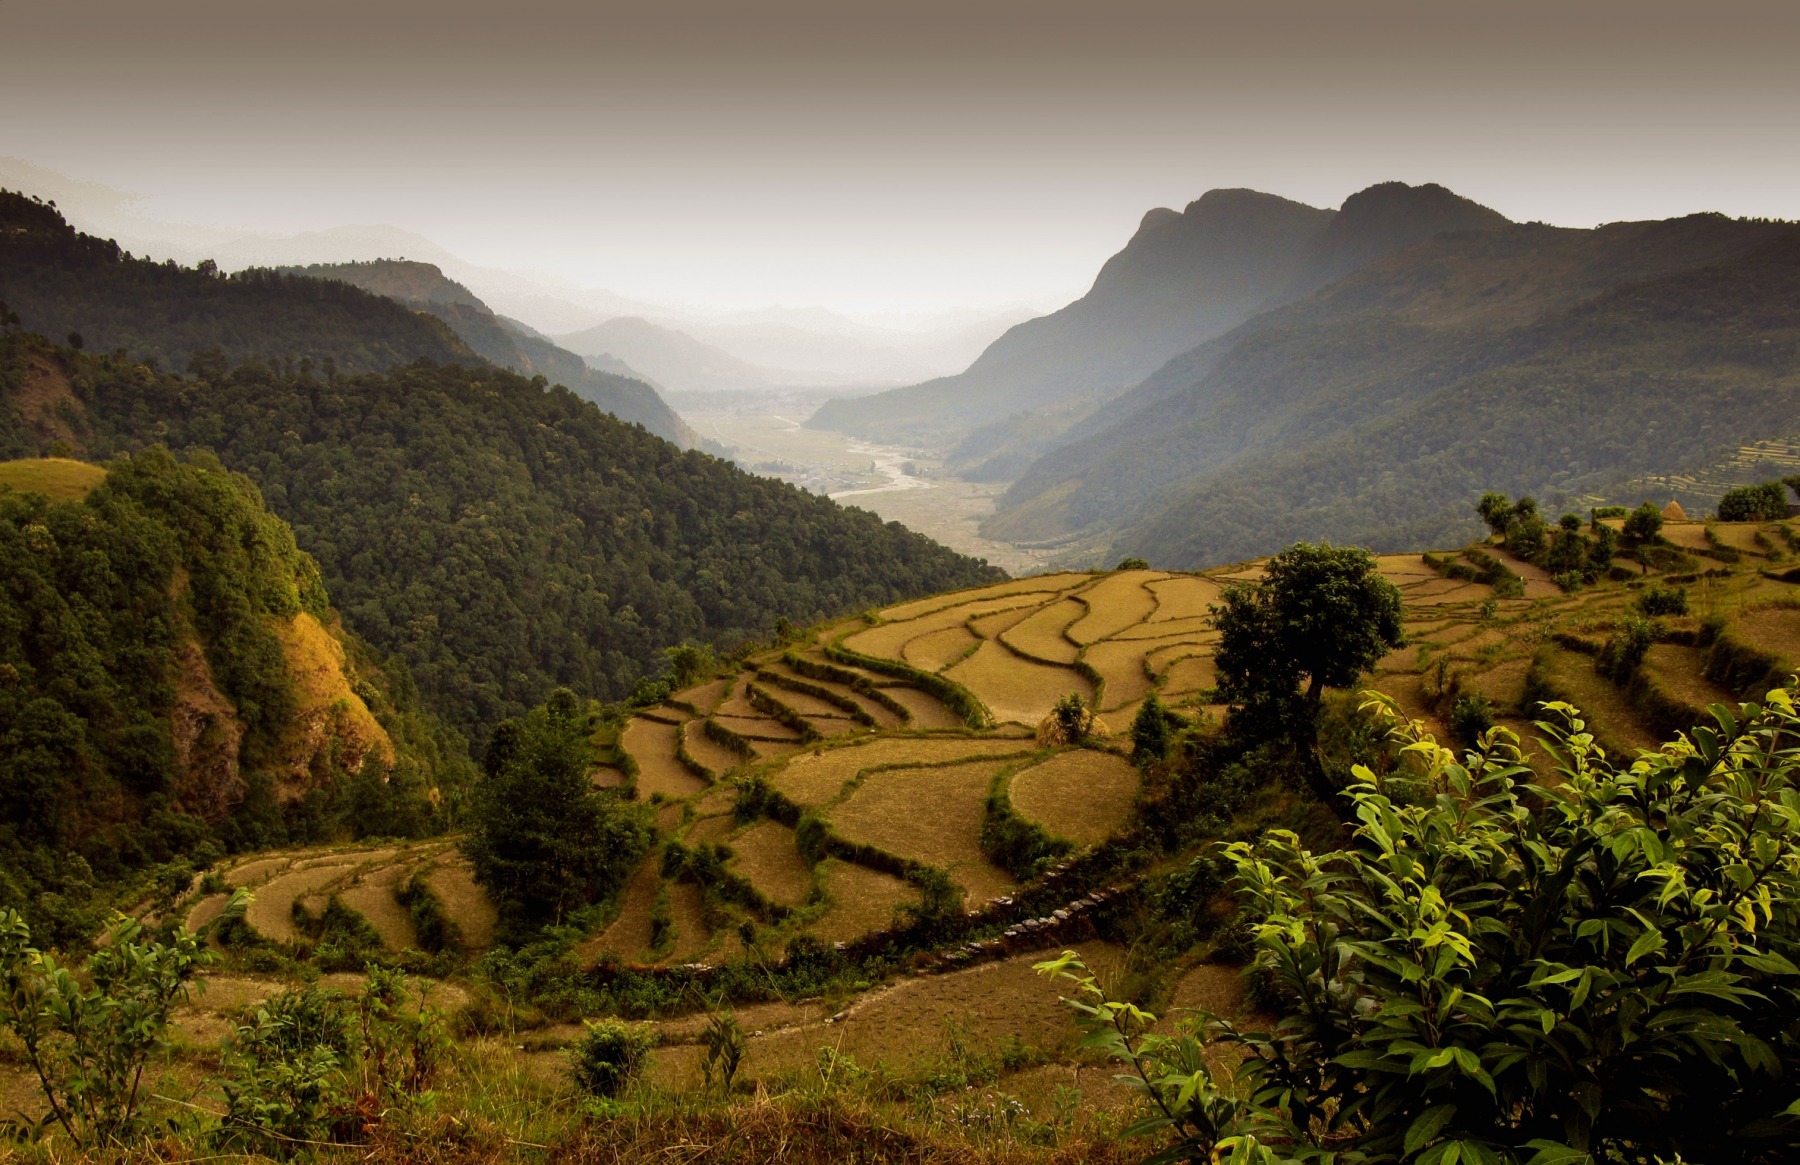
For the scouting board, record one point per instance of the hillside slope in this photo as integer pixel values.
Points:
(1181, 280)
(60, 281)
(671, 357)
(499, 536)
(172, 675)
(1533, 359)
(423, 287)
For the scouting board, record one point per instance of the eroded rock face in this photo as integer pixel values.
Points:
(206, 733)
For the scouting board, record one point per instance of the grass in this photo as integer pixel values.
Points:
(58, 478)
(887, 640)
(862, 900)
(373, 897)
(1114, 603)
(1082, 795)
(1042, 584)
(465, 904)
(1041, 635)
(1186, 597)
(1121, 665)
(765, 854)
(937, 650)
(707, 751)
(926, 710)
(1015, 689)
(884, 811)
(811, 779)
(651, 744)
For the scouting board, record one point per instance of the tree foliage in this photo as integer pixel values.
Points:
(1499, 968)
(502, 538)
(1766, 502)
(1318, 618)
(542, 839)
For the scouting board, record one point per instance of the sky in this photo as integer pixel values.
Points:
(884, 157)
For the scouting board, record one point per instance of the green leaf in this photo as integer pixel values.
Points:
(1650, 940)
(1427, 1125)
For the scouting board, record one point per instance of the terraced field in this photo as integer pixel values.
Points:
(835, 790)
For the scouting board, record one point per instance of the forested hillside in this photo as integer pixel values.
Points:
(422, 287)
(61, 281)
(174, 683)
(498, 536)
(1558, 363)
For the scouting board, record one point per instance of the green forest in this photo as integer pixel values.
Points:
(67, 284)
(498, 537)
(99, 600)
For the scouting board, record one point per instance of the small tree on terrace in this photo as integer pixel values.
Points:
(1319, 618)
(542, 840)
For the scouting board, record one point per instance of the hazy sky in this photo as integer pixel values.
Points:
(885, 156)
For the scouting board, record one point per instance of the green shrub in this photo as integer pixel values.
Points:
(88, 1038)
(1661, 600)
(282, 1071)
(1598, 968)
(1470, 717)
(609, 1056)
(1625, 649)
(433, 928)
(1150, 731)
(1132, 564)
(1644, 524)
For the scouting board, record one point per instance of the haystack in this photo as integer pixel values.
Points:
(1673, 512)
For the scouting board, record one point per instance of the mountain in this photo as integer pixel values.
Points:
(424, 287)
(60, 281)
(1532, 359)
(1183, 279)
(173, 679)
(497, 535)
(673, 358)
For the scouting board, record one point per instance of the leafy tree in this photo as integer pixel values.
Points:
(542, 839)
(1644, 524)
(1497, 511)
(1498, 969)
(1150, 731)
(1766, 502)
(1319, 618)
(1132, 564)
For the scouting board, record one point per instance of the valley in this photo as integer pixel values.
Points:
(767, 435)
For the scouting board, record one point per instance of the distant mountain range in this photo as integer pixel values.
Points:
(614, 386)
(1253, 371)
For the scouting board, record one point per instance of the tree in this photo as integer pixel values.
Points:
(1150, 731)
(1599, 967)
(1496, 510)
(1319, 618)
(542, 839)
(1754, 503)
(1644, 524)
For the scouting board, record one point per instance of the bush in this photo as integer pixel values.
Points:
(1470, 717)
(609, 1056)
(1150, 731)
(1626, 648)
(1597, 968)
(1661, 600)
(1754, 503)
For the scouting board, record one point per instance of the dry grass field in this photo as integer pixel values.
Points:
(765, 854)
(862, 900)
(885, 811)
(1014, 688)
(1082, 795)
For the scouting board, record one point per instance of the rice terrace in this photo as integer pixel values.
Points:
(867, 836)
